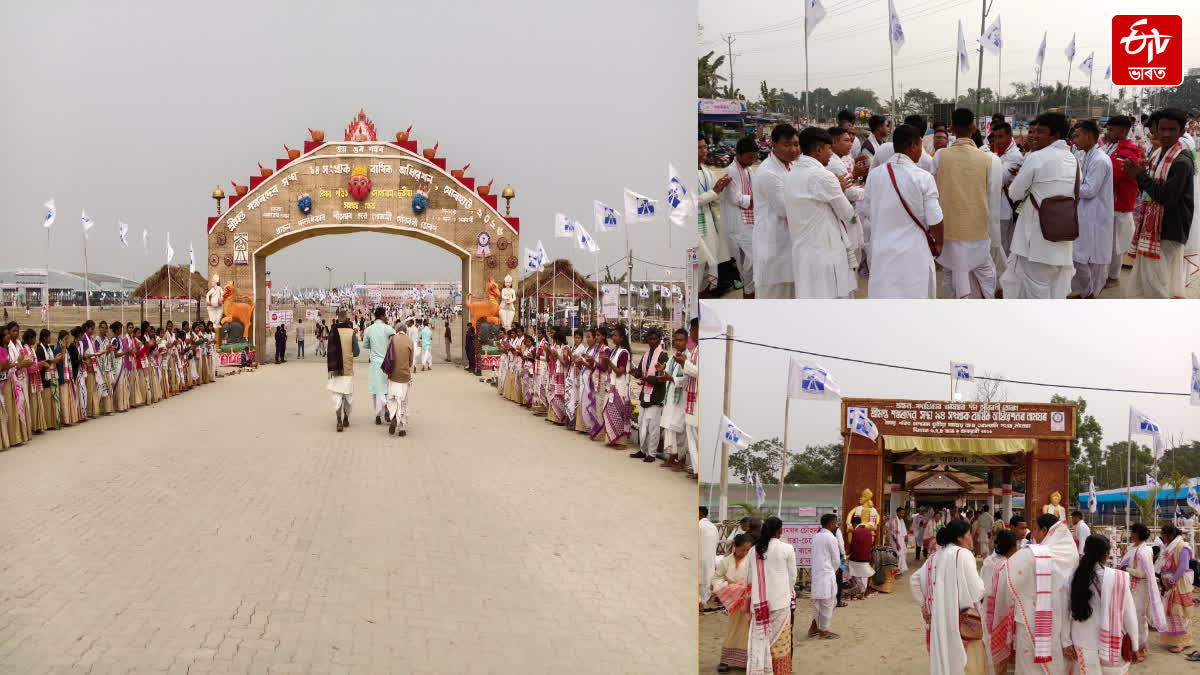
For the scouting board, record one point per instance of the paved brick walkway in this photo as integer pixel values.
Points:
(231, 530)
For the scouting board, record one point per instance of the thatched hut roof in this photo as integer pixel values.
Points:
(560, 280)
(155, 286)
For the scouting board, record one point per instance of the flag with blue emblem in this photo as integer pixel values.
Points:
(1085, 66)
(807, 379)
(541, 256)
(584, 240)
(1108, 72)
(991, 40)
(759, 493)
(1141, 423)
(731, 434)
(638, 208)
(1150, 482)
(964, 61)
(1070, 50)
(1041, 54)
(564, 227)
(678, 197)
(605, 217)
(895, 32)
(87, 223)
(530, 261)
(643, 291)
(1195, 379)
(50, 213)
(1192, 500)
(962, 372)
(664, 291)
(191, 259)
(1092, 501)
(814, 12)
(859, 423)
(122, 230)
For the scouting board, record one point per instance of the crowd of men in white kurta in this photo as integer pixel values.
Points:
(999, 217)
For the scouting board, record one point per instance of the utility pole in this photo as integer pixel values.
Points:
(986, 7)
(729, 51)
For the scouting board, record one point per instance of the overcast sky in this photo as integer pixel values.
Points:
(135, 110)
(1145, 346)
(850, 49)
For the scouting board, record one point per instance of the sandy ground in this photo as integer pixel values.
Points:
(231, 529)
(1117, 292)
(880, 634)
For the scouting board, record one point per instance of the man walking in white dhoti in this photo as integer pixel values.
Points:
(376, 339)
(397, 366)
(343, 347)
(898, 538)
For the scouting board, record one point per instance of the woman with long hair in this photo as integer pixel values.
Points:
(731, 585)
(75, 356)
(600, 354)
(16, 385)
(1102, 613)
(947, 587)
(1000, 628)
(772, 575)
(556, 367)
(585, 417)
(1177, 580)
(570, 359)
(48, 362)
(68, 403)
(618, 418)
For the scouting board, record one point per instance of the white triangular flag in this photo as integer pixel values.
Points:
(87, 223)
(807, 379)
(895, 32)
(964, 61)
(1041, 54)
(678, 197)
(50, 213)
(813, 14)
(605, 217)
(564, 227)
(990, 40)
(1070, 50)
(638, 208)
(731, 434)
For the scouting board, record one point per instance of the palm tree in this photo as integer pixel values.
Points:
(770, 97)
(1146, 505)
(707, 77)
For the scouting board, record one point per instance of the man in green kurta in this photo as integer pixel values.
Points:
(376, 338)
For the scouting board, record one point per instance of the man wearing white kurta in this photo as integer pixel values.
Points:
(708, 556)
(1093, 249)
(970, 190)
(1053, 540)
(712, 247)
(898, 536)
(1038, 268)
(414, 334)
(772, 247)
(737, 212)
(816, 212)
(1081, 529)
(841, 163)
(901, 263)
(825, 562)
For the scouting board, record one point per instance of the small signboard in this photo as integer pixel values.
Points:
(800, 536)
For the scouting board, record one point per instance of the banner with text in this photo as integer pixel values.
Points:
(968, 419)
(800, 536)
(279, 316)
(611, 297)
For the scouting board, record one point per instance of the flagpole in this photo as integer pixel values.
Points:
(1108, 111)
(807, 93)
(999, 77)
(892, 72)
(723, 511)
(46, 297)
(1091, 74)
(1128, 452)
(596, 260)
(1067, 99)
(787, 404)
(87, 301)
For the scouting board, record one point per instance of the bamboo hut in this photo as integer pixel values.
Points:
(559, 285)
(156, 286)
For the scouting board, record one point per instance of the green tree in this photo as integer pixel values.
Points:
(1184, 458)
(919, 102)
(856, 97)
(762, 458)
(769, 97)
(1088, 438)
(816, 464)
(708, 79)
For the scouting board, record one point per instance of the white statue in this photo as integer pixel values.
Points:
(508, 300)
(214, 300)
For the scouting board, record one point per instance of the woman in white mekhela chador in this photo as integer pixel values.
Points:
(772, 575)
(901, 263)
(1139, 563)
(816, 210)
(1042, 566)
(1101, 613)
(999, 626)
(946, 584)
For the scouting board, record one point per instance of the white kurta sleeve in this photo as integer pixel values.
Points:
(1019, 187)
(831, 190)
(933, 207)
(914, 583)
(996, 203)
(790, 552)
(733, 192)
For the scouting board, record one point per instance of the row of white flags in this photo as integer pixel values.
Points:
(122, 233)
(638, 209)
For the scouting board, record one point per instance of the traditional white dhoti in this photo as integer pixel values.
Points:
(1089, 279)
(775, 291)
(380, 403)
(427, 357)
(1026, 279)
(397, 403)
(970, 269)
(823, 612)
(1122, 236)
(342, 389)
(1161, 278)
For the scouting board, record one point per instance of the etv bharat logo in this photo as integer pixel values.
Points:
(1147, 50)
